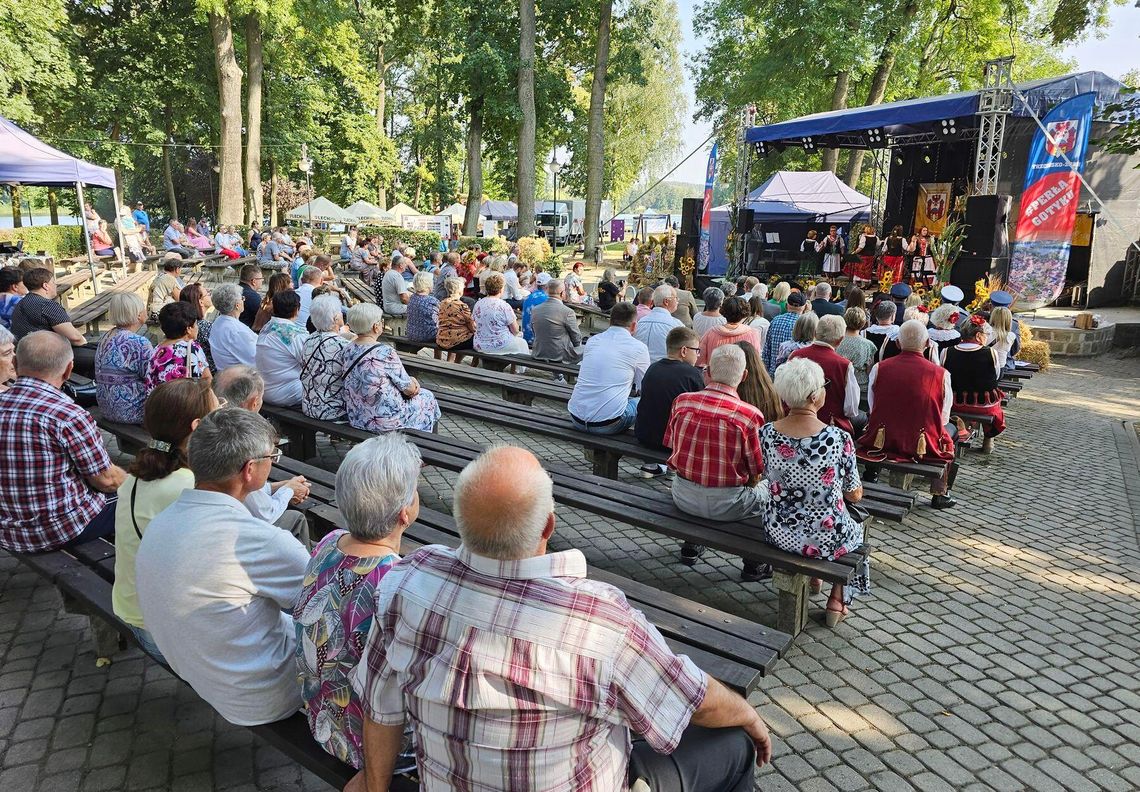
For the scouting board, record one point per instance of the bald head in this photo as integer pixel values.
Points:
(44, 355)
(504, 504)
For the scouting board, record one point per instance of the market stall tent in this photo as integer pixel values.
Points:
(366, 212)
(399, 210)
(322, 211)
(456, 212)
(500, 211)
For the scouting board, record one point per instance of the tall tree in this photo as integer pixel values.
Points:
(596, 141)
(474, 166)
(229, 113)
(526, 155)
(838, 102)
(255, 63)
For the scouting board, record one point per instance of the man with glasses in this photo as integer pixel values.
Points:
(216, 585)
(668, 378)
(658, 321)
(250, 278)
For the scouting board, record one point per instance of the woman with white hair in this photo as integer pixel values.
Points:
(376, 493)
(122, 360)
(423, 310)
(945, 320)
(811, 472)
(710, 317)
(322, 380)
(231, 342)
(280, 355)
(379, 396)
(609, 290)
(7, 358)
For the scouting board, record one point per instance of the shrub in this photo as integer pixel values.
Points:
(59, 241)
(534, 250)
(497, 245)
(551, 265)
(423, 241)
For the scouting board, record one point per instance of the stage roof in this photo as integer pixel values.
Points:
(914, 115)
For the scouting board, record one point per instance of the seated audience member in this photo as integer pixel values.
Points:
(322, 383)
(157, 476)
(609, 290)
(1005, 343)
(899, 295)
(179, 354)
(348, 244)
(945, 319)
(841, 407)
(822, 305)
(57, 478)
(278, 282)
(532, 301)
(757, 321)
(710, 317)
(456, 325)
(376, 494)
(613, 363)
(853, 297)
(196, 295)
(274, 253)
(890, 347)
(756, 388)
(575, 289)
(803, 334)
(781, 327)
(165, 288)
(174, 241)
(423, 310)
(496, 327)
(664, 381)
(909, 399)
(280, 351)
(394, 294)
(643, 301)
(122, 360)
(565, 655)
(811, 470)
(760, 290)
(228, 243)
(884, 327)
(513, 292)
(974, 376)
(311, 278)
(861, 352)
(379, 396)
(216, 584)
(778, 303)
(735, 328)
(686, 304)
(655, 324)
(101, 243)
(197, 239)
(7, 358)
(250, 279)
(231, 342)
(38, 310)
(449, 268)
(12, 290)
(557, 335)
(715, 440)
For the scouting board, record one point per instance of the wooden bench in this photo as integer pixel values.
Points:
(590, 317)
(514, 387)
(88, 314)
(218, 267)
(489, 361)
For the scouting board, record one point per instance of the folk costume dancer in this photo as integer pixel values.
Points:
(867, 249)
(832, 248)
(922, 269)
(894, 253)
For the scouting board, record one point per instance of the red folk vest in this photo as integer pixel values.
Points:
(835, 368)
(906, 421)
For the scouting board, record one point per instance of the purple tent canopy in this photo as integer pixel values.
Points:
(25, 159)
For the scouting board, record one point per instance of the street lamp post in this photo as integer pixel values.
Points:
(306, 166)
(555, 167)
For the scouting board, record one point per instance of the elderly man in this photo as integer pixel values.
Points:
(38, 310)
(822, 304)
(557, 335)
(242, 386)
(654, 327)
(613, 364)
(216, 584)
(394, 292)
(275, 253)
(174, 240)
(884, 328)
(566, 668)
(57, 479)
(843, 395)
(250, 279)
(311, 278)
(686, 304)
(231, 342)
(910, 400)
(780, 330)
(449, 269)
(715, 440)
(533, 300)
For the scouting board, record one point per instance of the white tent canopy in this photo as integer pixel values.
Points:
(366, 212)
(456, 212)
(499, 210)
(323, 211)
(401, 209)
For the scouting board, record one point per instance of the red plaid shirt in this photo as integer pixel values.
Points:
(48, 444)
(715, 438)
(520, 675)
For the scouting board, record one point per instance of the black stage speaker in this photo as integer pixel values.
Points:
(987, 217)
(691, 216)
(967, 270)
(745, 220)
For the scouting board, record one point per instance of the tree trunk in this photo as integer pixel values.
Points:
(381, 102)
(419, 179)
(256, 66)
(167, 174)
(229, 104)
(273, 220)
(17, 210)
(474, 168)
(596, 133)
(838, 102)
(526, 170)
(53, 206)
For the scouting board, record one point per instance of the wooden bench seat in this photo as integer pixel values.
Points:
(487, 359)
(87, 314)
(514, 387)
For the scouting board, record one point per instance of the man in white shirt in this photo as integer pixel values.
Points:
(613, 364)
(216, 584)
(394, 289)
(513, 293)
(311, 278)
(231, 342)
(655, 325)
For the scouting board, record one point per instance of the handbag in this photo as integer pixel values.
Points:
(81, 394)
(857, 511)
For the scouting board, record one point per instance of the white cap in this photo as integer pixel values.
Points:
(543, 278)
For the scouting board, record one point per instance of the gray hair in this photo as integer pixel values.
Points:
(554, 286)
(375, 480)
(513, 529)
(609, 275)
(225, 440)
(797, 381)
(713, 298)
(913, 336)
(323, 312)
(822, 290)
(363, 316)
(454, 286)
(662, 293)
(804, 329)
(6, 336)
(238, 384)
(227, 298)
(726, 365)
(311, 274)
(760, 290)
(831, 329)
(422, 282)
(126, 307)
(884, 311)
(43, 352)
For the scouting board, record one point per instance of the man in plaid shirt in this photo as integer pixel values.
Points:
(780, 330)
(54, 469)
(715, 438)
(519, 673)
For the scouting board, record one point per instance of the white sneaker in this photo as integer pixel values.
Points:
(652, 471)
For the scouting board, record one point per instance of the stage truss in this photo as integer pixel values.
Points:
(995, 103)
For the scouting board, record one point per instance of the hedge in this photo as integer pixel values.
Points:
(495, 245)
(58, 240)
(423, 241)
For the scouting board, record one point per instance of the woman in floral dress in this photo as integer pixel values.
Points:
(122, 360)
(379, 396)
(322, 380)
(179, 354)
(811, 472)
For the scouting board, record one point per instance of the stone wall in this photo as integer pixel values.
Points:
(1069, 341)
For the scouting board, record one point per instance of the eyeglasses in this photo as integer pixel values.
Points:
(691, 349)
(275, 456)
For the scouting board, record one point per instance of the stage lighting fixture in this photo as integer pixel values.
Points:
(874, 135)
(899, 160)
(926, 158)
(949, 127)
(762, 149)
(808, 144)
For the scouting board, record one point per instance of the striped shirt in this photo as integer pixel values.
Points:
(520, 675)
(715, 438)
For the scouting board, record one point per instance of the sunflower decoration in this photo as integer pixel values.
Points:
(981, 295)
(886, 281)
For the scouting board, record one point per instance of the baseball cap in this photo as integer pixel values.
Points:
(543, 278)
(797, 299)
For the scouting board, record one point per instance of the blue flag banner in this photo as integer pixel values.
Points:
(706, 211)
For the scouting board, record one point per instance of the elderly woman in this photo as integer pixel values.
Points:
(944, 326)
(779, 299)
(735, 312)
(862, 353)
(178, 355)
(158, 474)
(280, 351)
(710, 317)
(974, 375)
(423, 310)
(496, 326)
(7, 358)
(575, 290)
(231, 342)
(379, 396)
(456, 327)
(803, 333)
(101, 243)
(122, 360)
(130, 234)
(609, 290)
(376, 494)
(322, 381)
(811, 473)
(196, 295)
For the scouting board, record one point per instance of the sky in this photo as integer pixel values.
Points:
(1114, 54)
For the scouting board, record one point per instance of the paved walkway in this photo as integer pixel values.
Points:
(998, 650)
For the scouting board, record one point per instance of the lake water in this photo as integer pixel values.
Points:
(6, 220)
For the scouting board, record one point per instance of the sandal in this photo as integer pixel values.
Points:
(833, 616)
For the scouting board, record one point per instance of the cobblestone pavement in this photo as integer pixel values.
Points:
(998, 650)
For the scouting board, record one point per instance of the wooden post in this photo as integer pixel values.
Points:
(793, 590)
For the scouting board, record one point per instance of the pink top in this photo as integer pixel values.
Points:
(723, 334)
